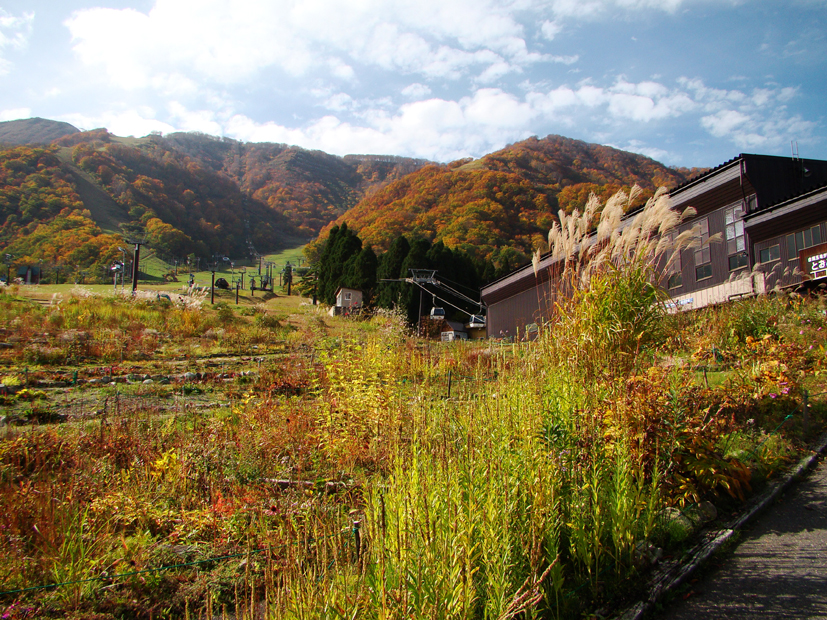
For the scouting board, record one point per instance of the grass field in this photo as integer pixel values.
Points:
(169, 458)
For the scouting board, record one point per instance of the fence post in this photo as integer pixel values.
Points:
(805, 406)
(449, 384)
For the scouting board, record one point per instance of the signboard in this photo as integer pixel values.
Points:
(813, 261)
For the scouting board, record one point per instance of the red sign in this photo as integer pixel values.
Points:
(813, 261)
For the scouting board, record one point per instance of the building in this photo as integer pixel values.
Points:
(29, 274)
(348, 300)
(769, 212)
(451, 330)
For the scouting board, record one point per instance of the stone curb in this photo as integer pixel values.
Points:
(674, 575)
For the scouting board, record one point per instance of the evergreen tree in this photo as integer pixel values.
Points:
(417, 258)
(360, 273)
(390, 268)
(340, 247)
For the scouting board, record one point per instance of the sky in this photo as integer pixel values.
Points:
(686, 82)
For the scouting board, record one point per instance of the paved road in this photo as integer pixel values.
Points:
(779, 570)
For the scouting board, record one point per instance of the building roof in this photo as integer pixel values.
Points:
(347, 288)
(775, 180)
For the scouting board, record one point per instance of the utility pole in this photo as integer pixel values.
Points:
(135, 264)
(212, 286)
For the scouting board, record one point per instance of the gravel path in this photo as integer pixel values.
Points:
(779, 569)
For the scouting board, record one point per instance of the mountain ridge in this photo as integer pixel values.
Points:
(204, 195)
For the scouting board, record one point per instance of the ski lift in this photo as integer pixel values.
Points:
(437, 313)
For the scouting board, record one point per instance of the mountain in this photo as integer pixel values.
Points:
(34, 131)
(505, 201)
(74, 202)
(310, 188)
(77, 199)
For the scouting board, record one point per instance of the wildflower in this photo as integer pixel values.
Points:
(785, 390)
(773, 395)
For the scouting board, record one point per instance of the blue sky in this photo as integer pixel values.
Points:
(687, 82)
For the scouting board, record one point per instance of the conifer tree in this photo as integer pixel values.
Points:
(390, 268)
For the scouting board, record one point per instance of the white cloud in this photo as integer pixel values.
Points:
(625, 101)
(231, 41)
(14, 35)
(492, 107)
(593, 9)
(755, 119)
(550, 29)
(15, 114)
(724, 123)
(433, 128)
(339, 102)
(136, 123)
(416, 91)
(494, 72)
(203, 121)
(637, 146)
(564, 60)
(15, 31)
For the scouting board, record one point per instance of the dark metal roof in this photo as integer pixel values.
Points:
(705, 175)
(769, 176)
(792, 198)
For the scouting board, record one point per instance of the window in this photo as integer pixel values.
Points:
(802, 240)
(703, 272)
(770, 254)
(675, 280)
(703, 255)
(736, 247)
(673, 263)
(348, 296)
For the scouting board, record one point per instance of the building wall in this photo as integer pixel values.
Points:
(508, 318)
(746, 285)
(721, 272)
(759, 184)
(785, 270)
(355, 298)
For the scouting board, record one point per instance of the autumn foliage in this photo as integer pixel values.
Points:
(500, 206)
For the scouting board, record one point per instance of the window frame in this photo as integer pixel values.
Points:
(674, 267)
(770, 259)
(736, 239)
(792, 240)
(703, 253)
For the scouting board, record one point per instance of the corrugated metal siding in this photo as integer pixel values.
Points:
(513, 302)
(718, 254)
(509, 317)
(714, 193)
(783, 272)
(789, 216)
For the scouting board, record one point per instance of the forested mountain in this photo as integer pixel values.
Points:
(501, 206)
(74, 201)
(310, 188)
(33, 131)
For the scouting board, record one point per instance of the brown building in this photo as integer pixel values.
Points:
(770, 213)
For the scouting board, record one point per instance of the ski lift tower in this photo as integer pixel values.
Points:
(421, 277)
